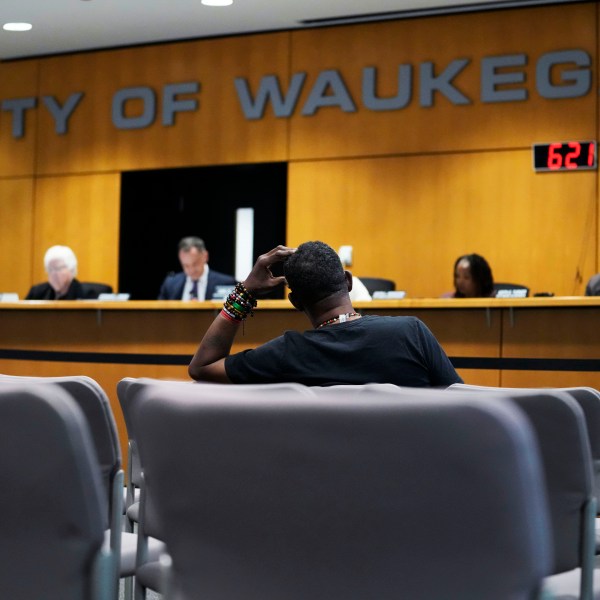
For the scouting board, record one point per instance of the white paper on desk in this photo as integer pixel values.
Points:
(9, 297)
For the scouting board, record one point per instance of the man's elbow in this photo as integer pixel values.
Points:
(194, 372)
(214, 372)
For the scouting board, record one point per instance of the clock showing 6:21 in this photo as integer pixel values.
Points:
(565, 156)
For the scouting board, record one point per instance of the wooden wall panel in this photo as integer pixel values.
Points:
(550, 379)
(409, 218)
(216, 133)
(16, 223)
(443, 126)
(81, 212)
(421, 186)
(561, 333)
(17, 154)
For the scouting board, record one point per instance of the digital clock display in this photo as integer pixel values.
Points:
(565, 156)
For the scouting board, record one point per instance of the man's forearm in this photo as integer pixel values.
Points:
(216, 345)
(208, 363)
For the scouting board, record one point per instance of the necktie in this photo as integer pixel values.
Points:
(194, 290)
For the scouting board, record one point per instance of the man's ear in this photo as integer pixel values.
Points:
(295, 303)
(348, 280)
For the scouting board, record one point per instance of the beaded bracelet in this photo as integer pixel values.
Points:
(239, 304)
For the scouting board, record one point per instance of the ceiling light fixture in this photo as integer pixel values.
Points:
(17, 26)
(217, 2)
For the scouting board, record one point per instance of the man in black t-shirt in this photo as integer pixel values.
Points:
(342, 348)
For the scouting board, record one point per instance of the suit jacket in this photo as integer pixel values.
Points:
(593, 286)
(173, 285)
(76, 291)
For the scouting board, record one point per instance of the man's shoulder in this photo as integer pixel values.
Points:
(172, 286)
(391, 321)
(593, 286)
(172, 279)
(39, 289)
(175, 276)
(221, 277)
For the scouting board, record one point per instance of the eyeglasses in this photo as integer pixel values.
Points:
(56, 269)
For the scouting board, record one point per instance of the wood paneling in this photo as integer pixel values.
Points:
(549, 379)
(215, 133)
(408, 218)
(443, 126)
(18, 154)
(410, 189)
(557, 333)
(81, 212)
(552, 333)
(16, 223)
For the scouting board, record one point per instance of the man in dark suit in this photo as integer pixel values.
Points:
(60, 263)
(593, 286)
(197, 281)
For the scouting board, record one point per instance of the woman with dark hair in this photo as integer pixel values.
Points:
(472, 278)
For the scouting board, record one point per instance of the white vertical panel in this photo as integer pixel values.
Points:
(244, 242)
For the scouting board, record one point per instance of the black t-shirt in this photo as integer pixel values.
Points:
(372, 349)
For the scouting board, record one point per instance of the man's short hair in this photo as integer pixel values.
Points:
(187, 243)
(314, 272)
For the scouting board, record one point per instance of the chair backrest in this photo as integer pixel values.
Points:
(52, 504)
(588, 399)
(292, 496)
(562, 434)
(95, 405)
(353, 389)
(95, 289)
(128, 389)
(378, 284)
(510, 290)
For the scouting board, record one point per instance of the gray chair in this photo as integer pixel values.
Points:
(94, 403)
(149, 570)
(562, 433)
(53, 504)
(341, 390)
(589, 400)
(133, 479)
(91, 288)
(147, 567)
(378, 284)
(288, 495)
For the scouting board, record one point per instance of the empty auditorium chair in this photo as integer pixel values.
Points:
(288, 495)
(53, 502)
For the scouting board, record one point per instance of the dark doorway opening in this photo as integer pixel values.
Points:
(159, 207)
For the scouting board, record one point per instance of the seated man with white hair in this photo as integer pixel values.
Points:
(60, 263)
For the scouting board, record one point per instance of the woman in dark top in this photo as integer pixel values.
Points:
(472, 278)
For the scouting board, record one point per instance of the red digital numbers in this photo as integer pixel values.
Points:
(572, 155)
(556, 160)
(564, 156)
